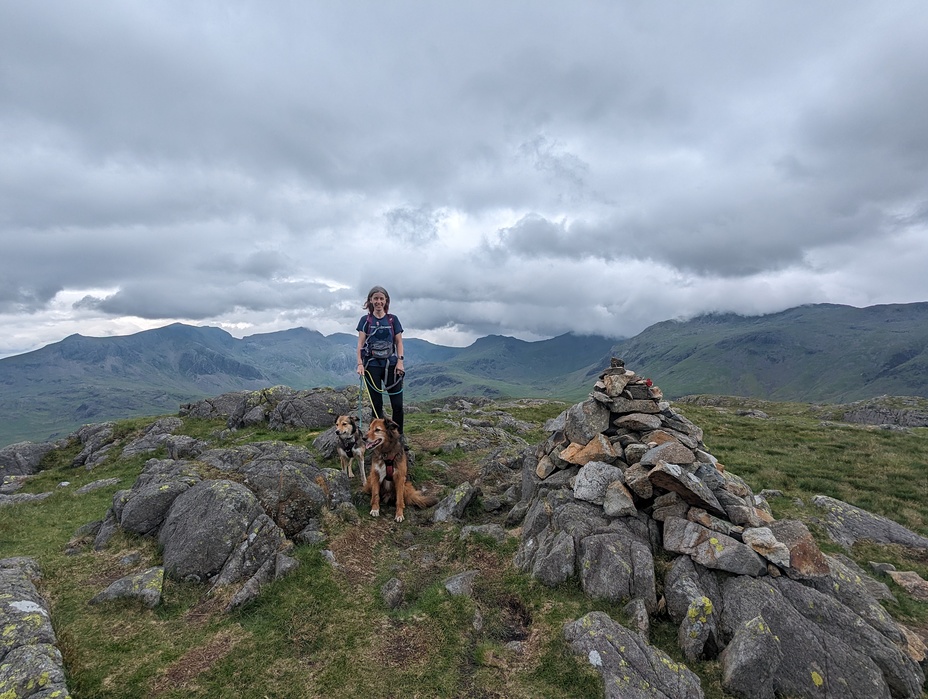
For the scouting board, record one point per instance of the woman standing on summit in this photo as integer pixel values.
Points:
(380, 354)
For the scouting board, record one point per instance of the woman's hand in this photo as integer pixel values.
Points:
(400, 369)
(360, 369)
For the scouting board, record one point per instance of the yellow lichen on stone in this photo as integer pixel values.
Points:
(676, 667)
(817, 679)
(35, 619)
(700, 611)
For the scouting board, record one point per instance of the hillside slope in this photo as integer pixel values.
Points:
(56, 389)
(820, 353)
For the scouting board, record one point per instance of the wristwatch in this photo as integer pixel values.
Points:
(400, 357)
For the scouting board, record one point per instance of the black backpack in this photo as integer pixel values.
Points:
(380, 349)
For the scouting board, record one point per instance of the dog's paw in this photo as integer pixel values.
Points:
(375, 513)
(399, 518)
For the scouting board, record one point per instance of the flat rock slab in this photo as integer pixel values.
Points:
(630, 667)
(145, 587)
(30, 658)
(806, 559)
(911, 582)
(593, 480)
(847, 525)
(670, 476)
(711, 549)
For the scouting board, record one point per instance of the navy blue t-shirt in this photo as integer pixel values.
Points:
(379, 329)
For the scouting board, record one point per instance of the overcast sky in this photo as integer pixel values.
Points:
(515, 168)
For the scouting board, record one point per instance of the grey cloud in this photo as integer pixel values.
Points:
(414, 225)
(266, 264)
(568, 171)
(153, 299)
(536, 236)
(27, 296)
(88, 303)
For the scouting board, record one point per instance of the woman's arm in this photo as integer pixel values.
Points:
(399, 353)
(362, 338)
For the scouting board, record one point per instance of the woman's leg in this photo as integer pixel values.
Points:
(396, 397)
(373, 377)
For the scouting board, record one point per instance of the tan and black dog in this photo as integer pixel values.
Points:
(349, 444)
(388, 477)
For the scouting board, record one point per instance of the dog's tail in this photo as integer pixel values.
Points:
(418, 498)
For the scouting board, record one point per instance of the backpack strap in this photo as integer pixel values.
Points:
(370, 324)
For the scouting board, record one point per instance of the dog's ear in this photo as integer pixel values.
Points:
(390, 425)
(354, 420)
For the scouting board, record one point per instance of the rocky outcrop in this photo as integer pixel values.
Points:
(161, 434)
(97, 441)
(23, 458)
(145, 587)
(847, 524)
(18, 498)
(30, 662)
(630, 667)
(279, 407)
(227, 518)
(754, 593)
(885, 410)
(291, 487)
(204, 525)
(452, 507)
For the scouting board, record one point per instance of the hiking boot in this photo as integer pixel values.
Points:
(404, 442)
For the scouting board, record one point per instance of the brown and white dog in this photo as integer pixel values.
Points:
(349, 444)
(388, 477)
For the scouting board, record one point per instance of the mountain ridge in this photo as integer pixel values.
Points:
(813, 353)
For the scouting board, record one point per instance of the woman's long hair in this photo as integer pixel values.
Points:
(369, 307)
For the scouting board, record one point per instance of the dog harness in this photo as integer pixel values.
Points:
(389, 465)
(347, 444)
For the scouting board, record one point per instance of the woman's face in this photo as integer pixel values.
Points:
(378, 301)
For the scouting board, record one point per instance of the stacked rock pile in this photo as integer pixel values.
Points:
(623, 480)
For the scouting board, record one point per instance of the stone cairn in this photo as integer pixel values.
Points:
(624, 481)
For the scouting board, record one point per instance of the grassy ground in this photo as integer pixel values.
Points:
(326, 632)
